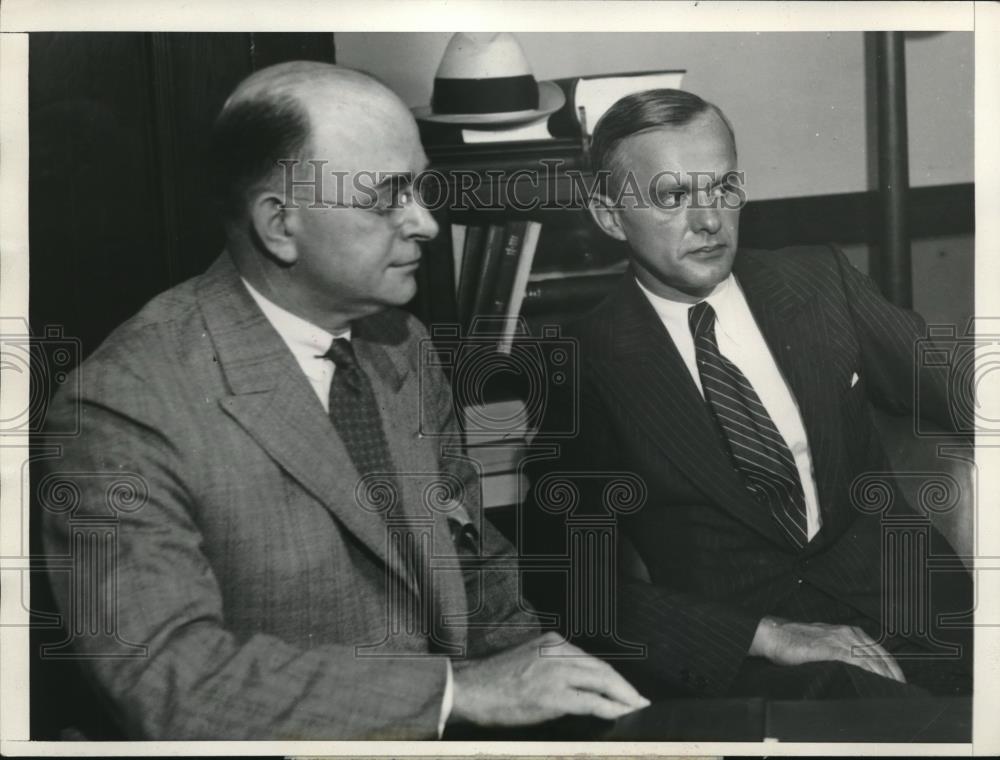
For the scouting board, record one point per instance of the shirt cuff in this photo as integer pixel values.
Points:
(446, 703)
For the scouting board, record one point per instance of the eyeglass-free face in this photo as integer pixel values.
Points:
(683, 240)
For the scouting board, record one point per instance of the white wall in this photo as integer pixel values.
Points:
(796, 99)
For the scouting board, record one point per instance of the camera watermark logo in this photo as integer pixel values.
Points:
(47, 361)
(545, 368)
(967, 365)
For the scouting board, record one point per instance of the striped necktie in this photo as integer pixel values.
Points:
(758, 451)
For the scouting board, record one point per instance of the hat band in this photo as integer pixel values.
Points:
(492, 95)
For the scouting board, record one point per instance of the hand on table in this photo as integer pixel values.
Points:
(521, 686)
(788, 643)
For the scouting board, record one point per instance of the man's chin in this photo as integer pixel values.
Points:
(714, 270)
(401, 291)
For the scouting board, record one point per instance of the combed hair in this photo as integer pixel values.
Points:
(248, 140)
(642, 111)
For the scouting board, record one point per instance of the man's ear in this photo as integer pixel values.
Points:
(607, 216)
(274, 224)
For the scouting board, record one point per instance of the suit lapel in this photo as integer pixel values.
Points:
(650, 379)
(273, 401)
(786, 318)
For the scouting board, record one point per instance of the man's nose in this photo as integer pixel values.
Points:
(705, 217)
(418, 223)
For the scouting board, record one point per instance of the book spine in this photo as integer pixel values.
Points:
(524, 264)
(503, 489)
(458, 233)
(507, 269)
(567, 294)
(495, 458)
(472, 260)
(492, 251)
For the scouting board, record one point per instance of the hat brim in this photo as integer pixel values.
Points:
(550, 99)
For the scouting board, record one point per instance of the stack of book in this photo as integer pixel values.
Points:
(496, 435)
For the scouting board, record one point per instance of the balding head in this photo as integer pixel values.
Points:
(277, 113)
(309, 235)
(304, 81)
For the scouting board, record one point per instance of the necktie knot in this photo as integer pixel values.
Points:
(701, 320)
(341, 353)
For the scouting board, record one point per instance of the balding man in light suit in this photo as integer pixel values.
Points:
(271, 411)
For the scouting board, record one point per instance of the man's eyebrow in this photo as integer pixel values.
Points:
(391, 179)
(671, 181)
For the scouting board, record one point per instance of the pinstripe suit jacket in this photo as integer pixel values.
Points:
(717, 562)
(248, 572)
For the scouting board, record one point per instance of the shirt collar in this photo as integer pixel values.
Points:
(676, 312)
(305, 340)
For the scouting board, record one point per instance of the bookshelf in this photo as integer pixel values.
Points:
(493, 192)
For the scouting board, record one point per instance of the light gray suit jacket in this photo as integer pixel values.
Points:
(241, 562)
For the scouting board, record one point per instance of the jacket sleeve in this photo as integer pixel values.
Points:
(690, 644)
(908, 372)
(120, 525)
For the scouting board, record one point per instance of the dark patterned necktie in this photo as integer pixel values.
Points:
(355, 413)
(757, 449)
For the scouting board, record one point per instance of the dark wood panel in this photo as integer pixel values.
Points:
(191, 76)
(120, 203)
(96, 238)
(267, 48)
(855, 217)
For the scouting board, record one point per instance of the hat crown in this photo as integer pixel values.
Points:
(483, 56)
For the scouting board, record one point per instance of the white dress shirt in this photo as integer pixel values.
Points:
(741, 342)
(308, 344)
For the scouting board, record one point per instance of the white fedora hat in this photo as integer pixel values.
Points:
(485, 80)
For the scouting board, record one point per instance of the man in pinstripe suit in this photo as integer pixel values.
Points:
(738, 386)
